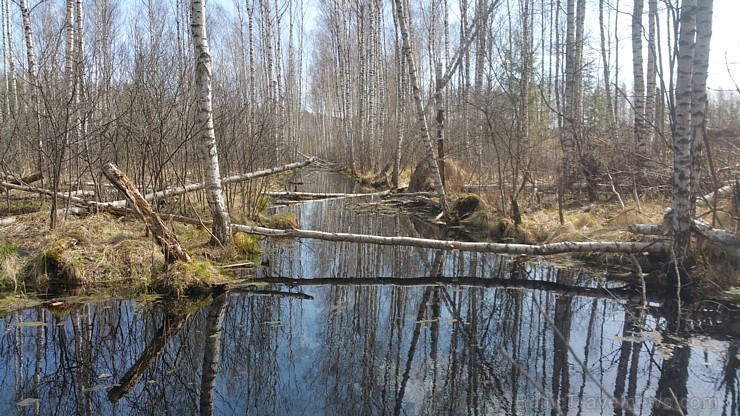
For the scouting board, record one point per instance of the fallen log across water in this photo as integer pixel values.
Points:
(499, 248)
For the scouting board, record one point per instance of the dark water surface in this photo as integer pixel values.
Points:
(346, 349)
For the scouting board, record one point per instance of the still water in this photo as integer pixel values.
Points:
(439, 333)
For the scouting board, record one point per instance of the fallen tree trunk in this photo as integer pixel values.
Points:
(500, 248)
(24, 180)
(647, 229)
(62, 195)
(706, 199)
(727, 241)
(166, 239)
(230, 179)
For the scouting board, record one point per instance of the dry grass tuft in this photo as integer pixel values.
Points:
(197, 276)
(10, 266)
(283, 221)
(96, 249)
(485, 226)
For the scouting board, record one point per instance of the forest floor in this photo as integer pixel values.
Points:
(114, 254)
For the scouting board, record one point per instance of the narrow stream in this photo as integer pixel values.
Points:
(337, 348)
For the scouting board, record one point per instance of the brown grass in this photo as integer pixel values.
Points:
(283, 221)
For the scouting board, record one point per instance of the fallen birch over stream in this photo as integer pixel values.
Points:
(480, 247)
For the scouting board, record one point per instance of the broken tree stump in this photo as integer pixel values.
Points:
(165, 238)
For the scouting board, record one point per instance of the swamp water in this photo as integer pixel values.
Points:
(337, 347)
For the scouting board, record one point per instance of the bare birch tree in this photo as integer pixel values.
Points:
(693, 62)
(204, 118)
(638, 74)
(402, 20)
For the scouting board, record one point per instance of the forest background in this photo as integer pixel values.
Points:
(516, 92)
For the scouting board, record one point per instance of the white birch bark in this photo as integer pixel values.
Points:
(682, 161)
(651, 74)
(33, 86)
(700, 67)
(9, 49)
(638, 73)
(420, 110)
(568, 134)
(501, 248)
(204, 121)
(611, 121)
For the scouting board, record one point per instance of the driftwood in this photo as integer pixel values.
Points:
(166, 239)
(500, 248)
(224, 181)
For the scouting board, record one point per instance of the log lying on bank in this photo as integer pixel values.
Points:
(7, 221)
(705, 200)
(166, 239)
(61, 195)
(13, 179)
(167, 193)
(499, 248)
(727, 241)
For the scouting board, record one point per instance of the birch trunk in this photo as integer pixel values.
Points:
(33, 86)
(212, 353)
(400, 106)
(204, 121)
(700, 66)
(12, 99)
(568, 135)
(420, 111)
(651, 82)
(682, 161)
(611, 120)
(638, 73)
(166, 239)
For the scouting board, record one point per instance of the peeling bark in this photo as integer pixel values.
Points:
(166, 239)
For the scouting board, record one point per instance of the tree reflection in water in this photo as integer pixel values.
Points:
(359, 349)
(424, 348)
